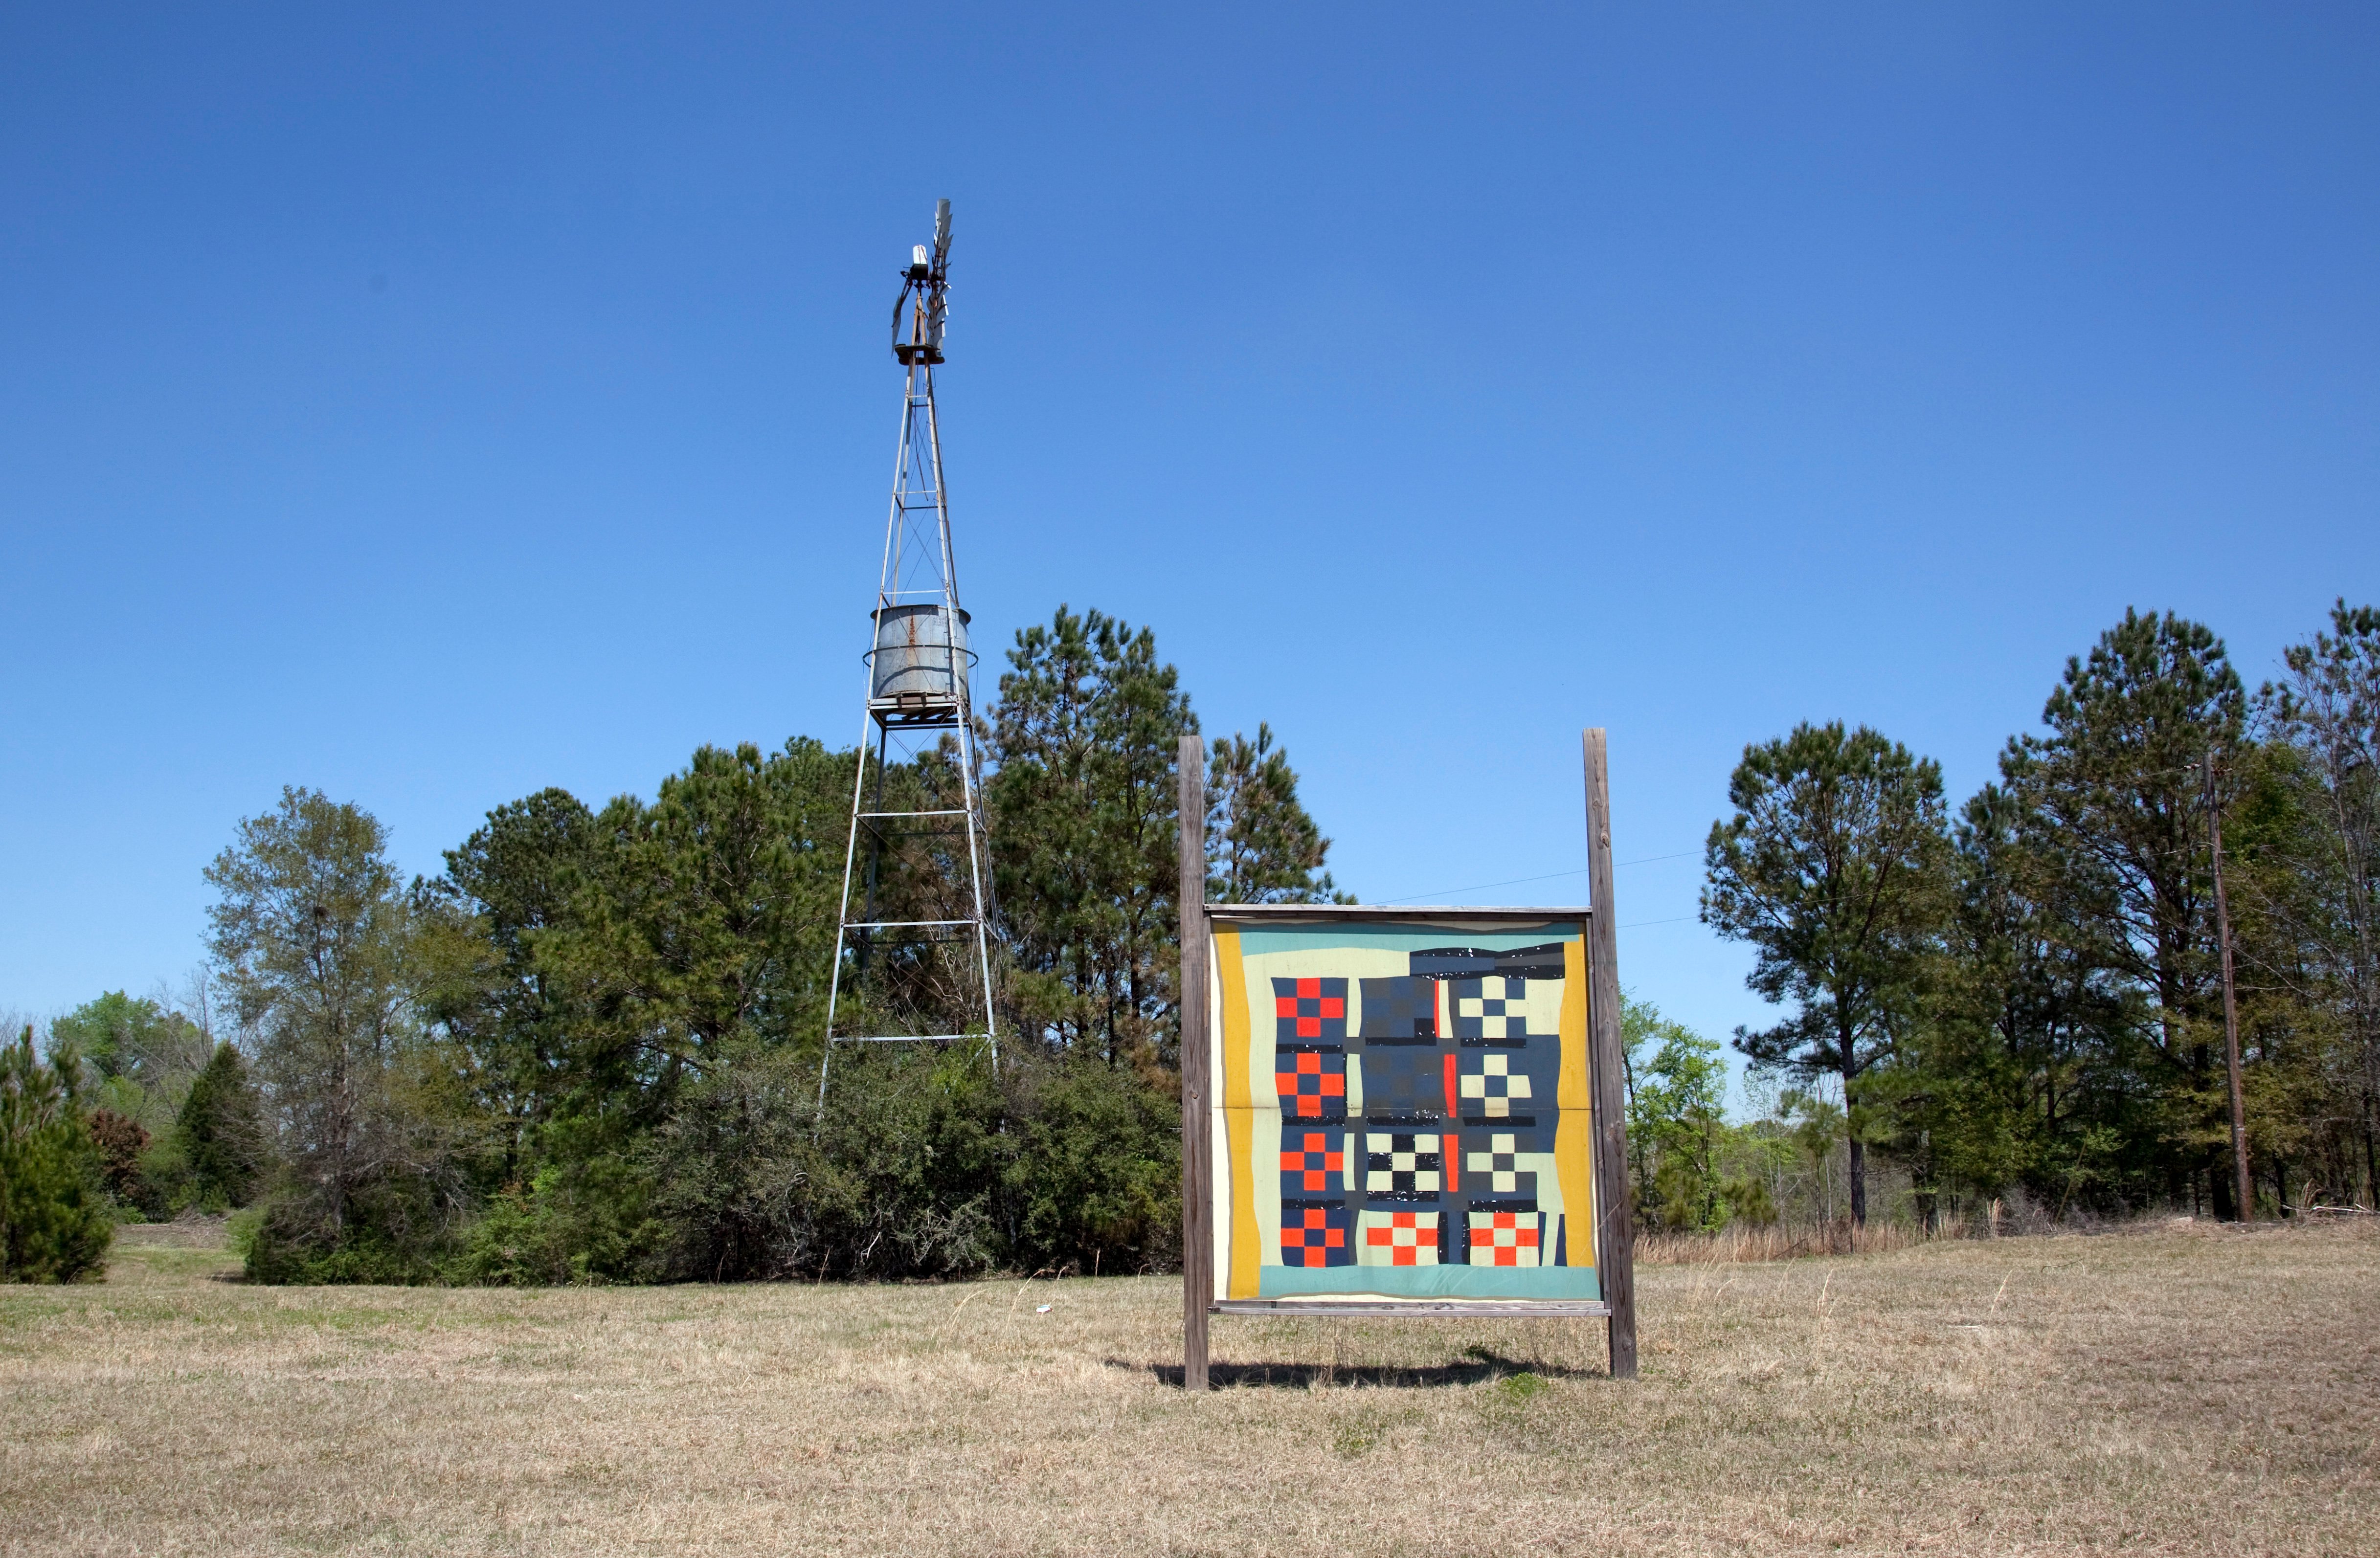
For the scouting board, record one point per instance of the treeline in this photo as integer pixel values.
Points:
(588, 1050)
(2021, 998)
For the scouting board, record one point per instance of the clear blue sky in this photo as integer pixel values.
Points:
(430, 405)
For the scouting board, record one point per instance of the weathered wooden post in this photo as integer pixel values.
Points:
(1197, 1238)
(1615, 1219)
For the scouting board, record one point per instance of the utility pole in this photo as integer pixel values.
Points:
(2246, 1187)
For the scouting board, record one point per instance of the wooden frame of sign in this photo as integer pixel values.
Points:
(1606, 1146)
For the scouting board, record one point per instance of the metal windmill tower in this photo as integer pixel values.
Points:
(913, 927)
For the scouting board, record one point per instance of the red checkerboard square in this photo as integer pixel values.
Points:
(1314, 1236)
(1308, 1165)
(1304, 1079)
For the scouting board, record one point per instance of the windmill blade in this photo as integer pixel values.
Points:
(938, 300)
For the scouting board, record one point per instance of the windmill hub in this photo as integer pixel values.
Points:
(921, 313)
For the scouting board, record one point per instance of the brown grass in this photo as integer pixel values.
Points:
(1734, 1246)
(2178, 1390)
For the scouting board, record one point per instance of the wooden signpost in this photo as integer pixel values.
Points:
(1616, 1220)
(1442, 1089)
(1197, 1171)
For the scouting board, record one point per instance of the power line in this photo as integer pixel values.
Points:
(1517, 881)
(2190, 768)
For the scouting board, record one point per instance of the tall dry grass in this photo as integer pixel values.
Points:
(1743, 1244)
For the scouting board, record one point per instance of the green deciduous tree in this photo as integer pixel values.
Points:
(1833, 867)
(1678, 1133)
(133, 1039)
(312, 937)
(142, 1055)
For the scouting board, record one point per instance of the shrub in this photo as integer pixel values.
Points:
(1098, 1178)
(579, 1224)
(397, 1230)
(894, 1180)
(120, 1140)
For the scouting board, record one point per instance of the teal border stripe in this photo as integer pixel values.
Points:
(1256, 941)
(1566, 1283)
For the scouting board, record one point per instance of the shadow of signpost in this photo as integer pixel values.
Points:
(1479, 1366)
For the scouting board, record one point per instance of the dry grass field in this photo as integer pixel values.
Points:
(2184, 1390)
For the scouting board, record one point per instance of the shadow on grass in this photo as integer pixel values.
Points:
(1480, 1366)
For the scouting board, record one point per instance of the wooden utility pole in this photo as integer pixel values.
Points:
(2246, 1187)
(1615, 1255)
(1198, 1237)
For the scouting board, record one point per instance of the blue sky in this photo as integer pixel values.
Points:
(429, 405)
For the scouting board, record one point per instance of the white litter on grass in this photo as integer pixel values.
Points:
(1041, 1308)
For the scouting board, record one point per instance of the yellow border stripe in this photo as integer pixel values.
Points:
(1238, 1102)
(1575, 1127)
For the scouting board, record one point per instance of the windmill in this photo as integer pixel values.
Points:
(913, 942)
(924, 305)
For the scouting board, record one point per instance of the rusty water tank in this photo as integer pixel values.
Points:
(915, 655)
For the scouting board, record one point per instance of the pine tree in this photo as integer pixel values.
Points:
(54, 1223)
(1833, 868)
(1262, 847)
(1084, 829)
(2115, 790)
(512, 886)
(2308, 900)
(220, 1132)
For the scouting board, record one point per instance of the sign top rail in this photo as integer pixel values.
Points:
(1395, 911)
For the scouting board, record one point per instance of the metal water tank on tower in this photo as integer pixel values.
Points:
(919, 664)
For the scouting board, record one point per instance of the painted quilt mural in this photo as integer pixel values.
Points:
(1402, 1111)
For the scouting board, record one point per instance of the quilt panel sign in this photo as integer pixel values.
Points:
(1400, 1111)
